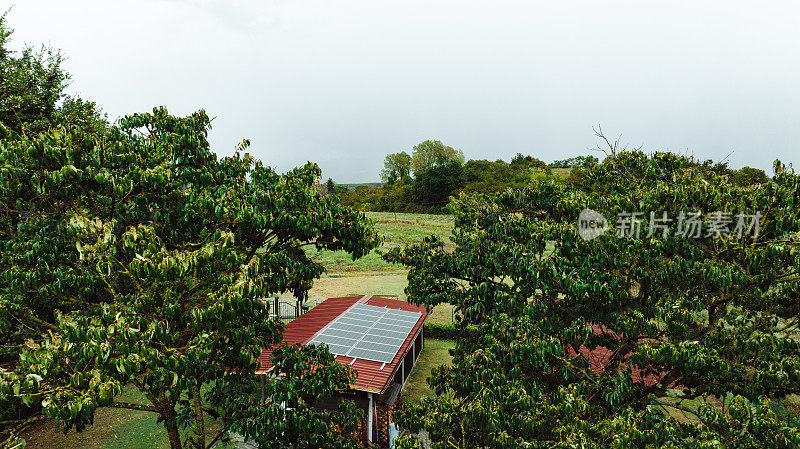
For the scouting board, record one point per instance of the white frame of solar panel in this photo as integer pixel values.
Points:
(368, 332)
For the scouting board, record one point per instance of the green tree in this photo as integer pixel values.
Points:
(141, 258)
(397, 197)
(331, 188)
(529, 161)
(32, 100)
(32, 90)
(396, 167)
(493, 177)
(748, 176)
(288, 419)
(431, 153)
(434, 186)
(74, 111)
(565, 342)
(576, 162)
(362, 197)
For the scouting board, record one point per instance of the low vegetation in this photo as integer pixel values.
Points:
(424, 181)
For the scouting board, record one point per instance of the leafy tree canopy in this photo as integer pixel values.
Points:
(396, 167)
(530, 161)
(566, 342)
(138, 256)
(748, 176)
(32, 90)
(431, 153)
(576, 162)
(290, 408)
(434, 186)
(488, 177)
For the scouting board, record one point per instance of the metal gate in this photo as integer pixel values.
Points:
(286, 309)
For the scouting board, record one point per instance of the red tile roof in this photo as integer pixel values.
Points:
(371, 377)
(599, 357)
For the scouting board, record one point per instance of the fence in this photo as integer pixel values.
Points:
(286, 309)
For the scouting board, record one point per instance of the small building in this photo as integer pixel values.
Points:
(380, 338)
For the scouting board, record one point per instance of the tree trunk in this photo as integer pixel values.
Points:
(166, 409)
(199, 439)
(174, 437)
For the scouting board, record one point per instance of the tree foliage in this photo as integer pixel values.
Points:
(488, 177)
(138, 256)
(289, 418)
(576, 162)
(434, 186)
(748, 176)
(529, 161)
(565, 342)
(439, 172)
(396, 167)
(432, 153)
(32, 90)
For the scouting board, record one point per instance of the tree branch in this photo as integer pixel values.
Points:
(140, 407)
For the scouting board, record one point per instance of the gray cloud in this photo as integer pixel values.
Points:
(345, 82)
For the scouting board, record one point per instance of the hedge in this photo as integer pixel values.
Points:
(441, 331)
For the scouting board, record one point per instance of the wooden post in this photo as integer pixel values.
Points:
(263, 388)
(369, 419)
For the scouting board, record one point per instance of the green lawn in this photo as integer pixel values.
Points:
(113, 429)
(435, 353)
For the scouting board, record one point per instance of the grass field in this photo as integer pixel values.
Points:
(396, 230)
(371, 275)
(561, 172)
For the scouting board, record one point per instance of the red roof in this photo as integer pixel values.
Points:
(371, 377)
(600, 356)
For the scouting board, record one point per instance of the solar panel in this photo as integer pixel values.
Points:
(368, 332)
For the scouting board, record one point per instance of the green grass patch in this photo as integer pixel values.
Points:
(114, 428)
(396, 230)
(434, 353)
(442, 314)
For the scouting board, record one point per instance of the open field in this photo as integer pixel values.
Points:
(371, 275)
(380, 283)
(396, 230)
(561, 172)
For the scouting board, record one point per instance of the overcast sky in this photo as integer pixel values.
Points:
(343, 83)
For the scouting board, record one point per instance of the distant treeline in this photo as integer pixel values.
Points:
(423, 181)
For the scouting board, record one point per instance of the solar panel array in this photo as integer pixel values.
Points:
(368, 332)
